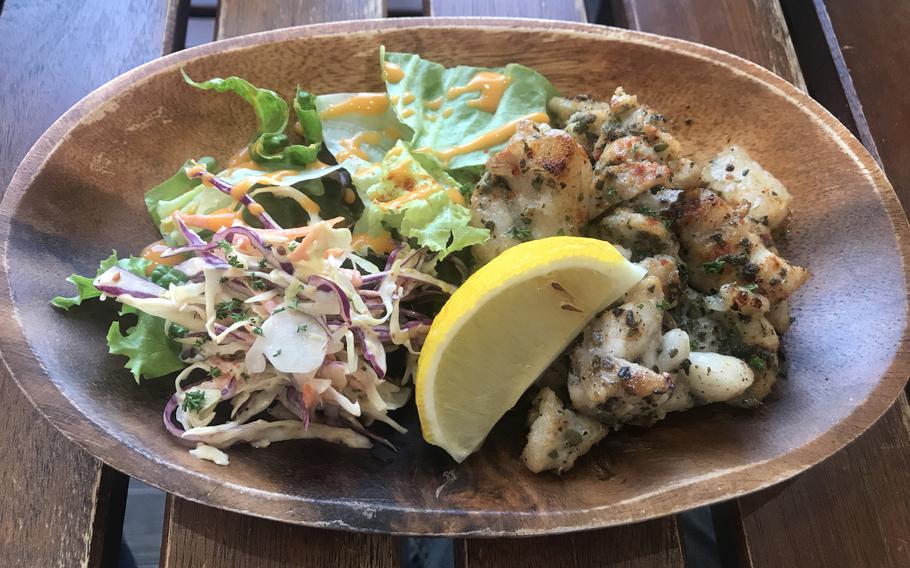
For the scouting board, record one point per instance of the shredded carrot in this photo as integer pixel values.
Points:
(302, 250)
(296, 232)
(242, 244)
(309, 396)
(333, 252)
(212, 221)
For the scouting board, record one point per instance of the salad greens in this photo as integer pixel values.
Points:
(270, 143)
(85, 287)
(412, 187)
(428, 207)
(449, 108)
(397, 156)
(150, 351)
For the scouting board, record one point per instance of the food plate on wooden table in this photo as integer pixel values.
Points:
(79, 193)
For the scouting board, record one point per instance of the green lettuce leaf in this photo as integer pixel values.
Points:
(402, 193)
(307, 116)
(150, 352)
(174, 187)
(270, 144)
(382, 131)
(234, 175)
(527, 93)
(84, 285)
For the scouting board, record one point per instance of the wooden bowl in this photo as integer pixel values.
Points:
(78, 194)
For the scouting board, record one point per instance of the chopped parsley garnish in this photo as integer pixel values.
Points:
(663, 305)
(279, 310)
(176, 331)
(232, 309)
(257, 330)
(750, 287)
(520, 232)
(215, 372)
(228, 256)
(714, 267)
(193, 400)
(257, 283)
(277, 353)
(292, 246)
(693, 345)
(757, 363)
(661, 146)
(302, 328)
(647, 211)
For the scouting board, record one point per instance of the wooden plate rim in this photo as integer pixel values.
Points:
(28, 373)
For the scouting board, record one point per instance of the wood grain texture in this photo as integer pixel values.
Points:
(60, 506)
(652, 544)
(753, 29)
(241, 17)
(854, 508)
(197, 535)
(567, 10)
(848, 221)
(875, 48)
(851, 510)
(824, 70)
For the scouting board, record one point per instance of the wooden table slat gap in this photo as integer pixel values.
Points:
(571, 10)
(827, 77)
(241, 17)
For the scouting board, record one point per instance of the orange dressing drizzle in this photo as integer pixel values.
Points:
(242, 160)
(455, 196)
(407, 113)
(435, 104)
(446, 113)
(394, 99)
(309, 205)
(349, 195)
(392, 73)
(382, 244)
(364, 170)
(316, 165)
(361, 103)
(408, 98)
(491, 87)
(153, 253)
(487, 140)
(351, 146)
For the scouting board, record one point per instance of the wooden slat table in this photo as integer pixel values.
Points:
(64, 508)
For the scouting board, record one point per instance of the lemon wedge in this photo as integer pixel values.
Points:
(504, 326)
